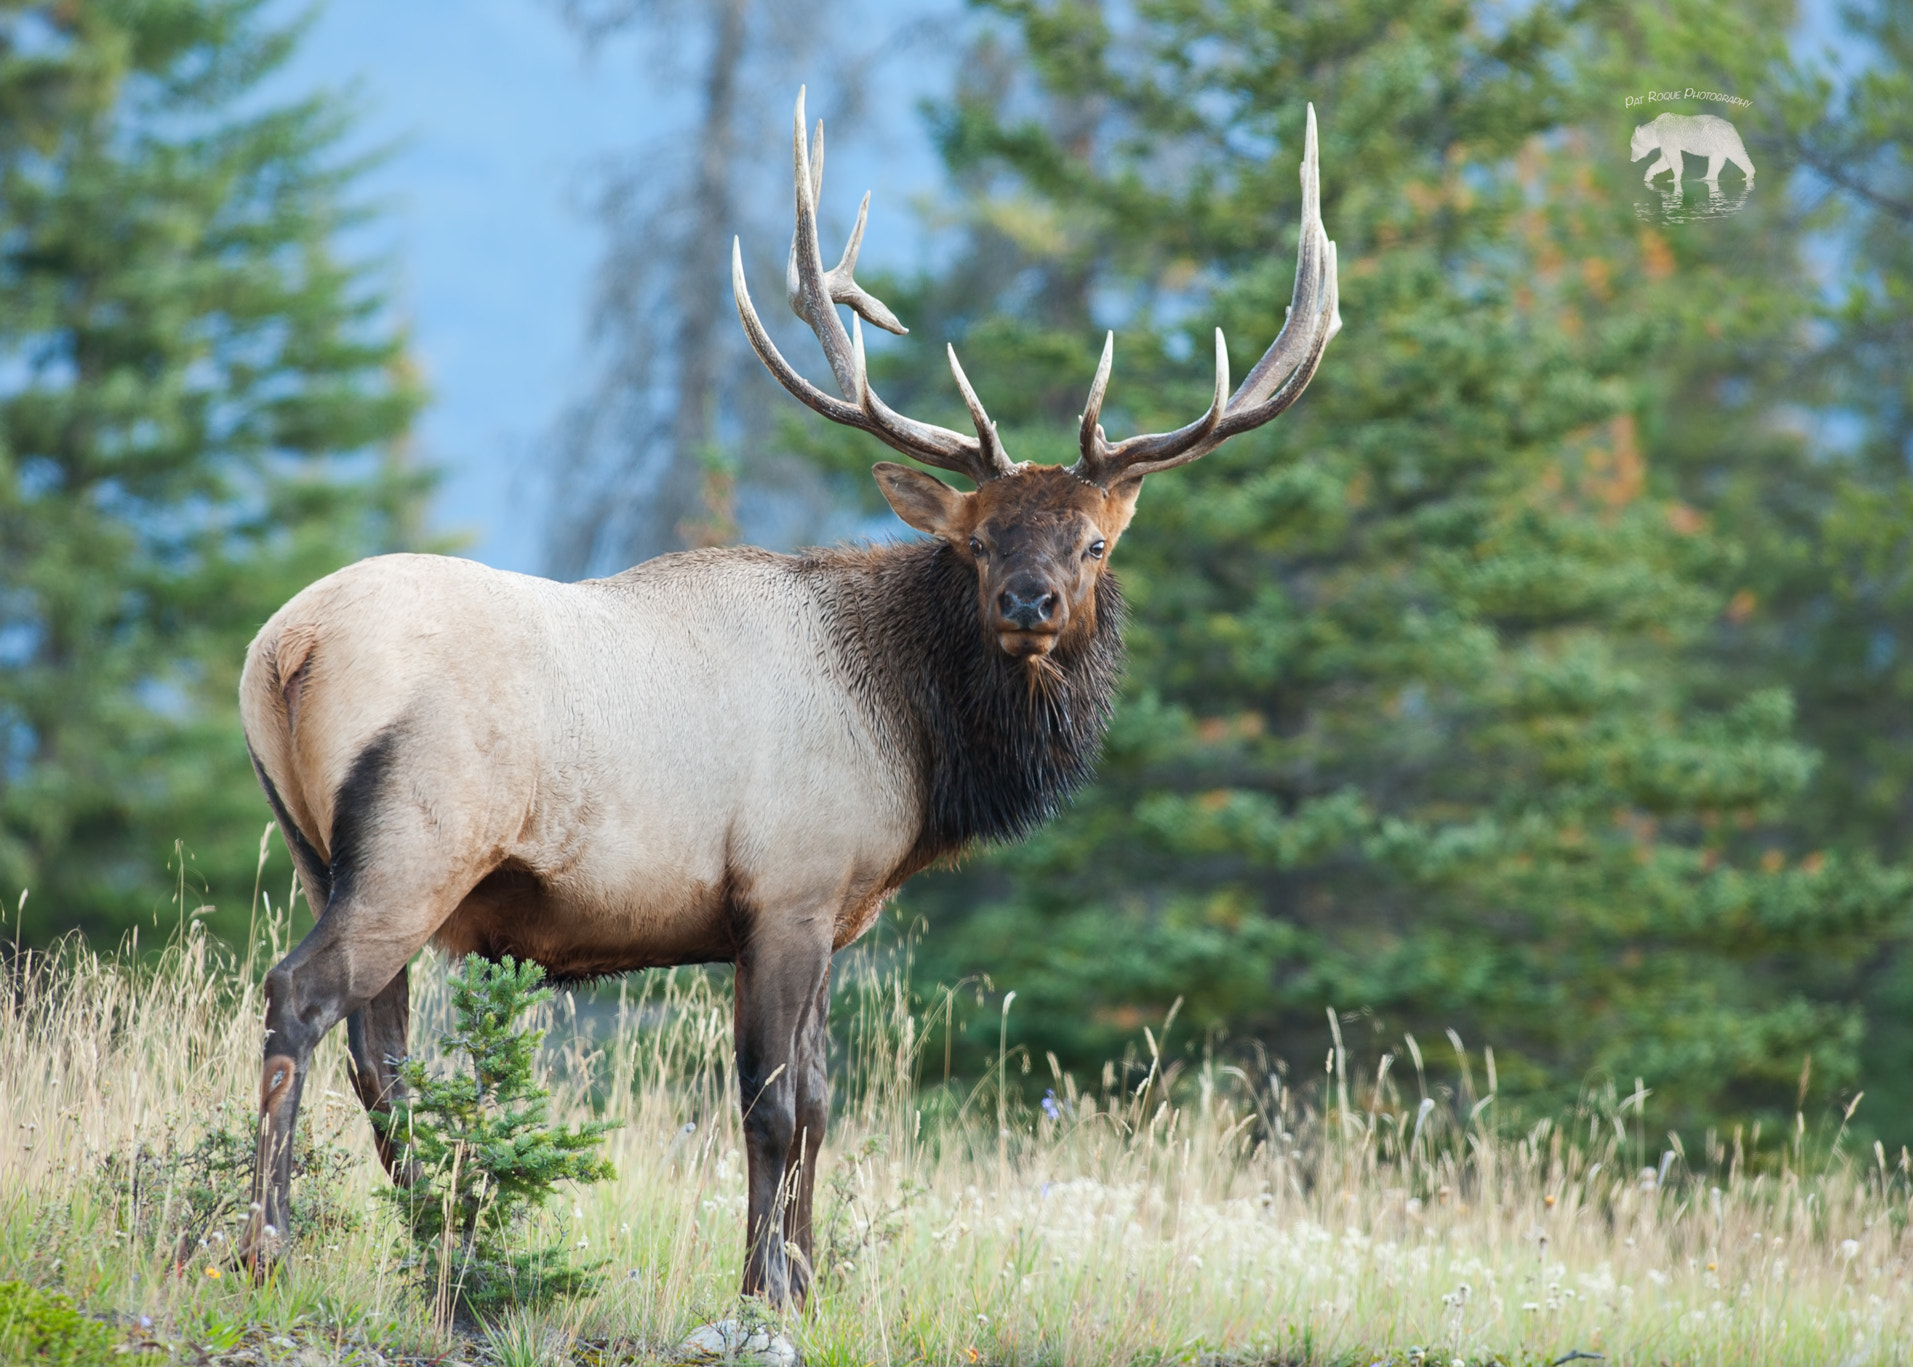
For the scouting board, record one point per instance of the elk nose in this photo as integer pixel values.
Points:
(1027, 610)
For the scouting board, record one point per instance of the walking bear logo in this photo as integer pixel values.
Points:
(1705, 135)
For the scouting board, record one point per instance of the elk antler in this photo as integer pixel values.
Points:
(814, 295)
(1275, 382)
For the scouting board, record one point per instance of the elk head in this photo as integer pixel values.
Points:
(1038, 536)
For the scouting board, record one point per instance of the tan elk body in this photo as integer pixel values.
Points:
(718, 756)
(631, 754)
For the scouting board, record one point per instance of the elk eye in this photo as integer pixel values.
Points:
(1096, 548)
(976, 548)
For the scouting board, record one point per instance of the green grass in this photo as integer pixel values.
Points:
(1207, 1214)
(45, 1328)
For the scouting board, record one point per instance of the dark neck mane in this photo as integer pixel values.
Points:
(1001, 744)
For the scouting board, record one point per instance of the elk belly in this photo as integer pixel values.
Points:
(699, 766)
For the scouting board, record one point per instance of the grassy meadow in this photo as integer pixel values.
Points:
(1196, 1213)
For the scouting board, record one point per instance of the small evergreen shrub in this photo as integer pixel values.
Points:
(489, 1159)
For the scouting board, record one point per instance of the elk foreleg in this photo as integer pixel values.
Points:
(376, 1036)
(778, 979)
(811, 1069)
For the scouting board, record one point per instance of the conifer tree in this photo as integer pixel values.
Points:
(488, 1157)
(1420, 718)
(1867, 686)
(1824, 498)
(1774, 410)
(200, 400)
(1852, 615)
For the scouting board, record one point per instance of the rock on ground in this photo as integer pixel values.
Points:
(729, 1341)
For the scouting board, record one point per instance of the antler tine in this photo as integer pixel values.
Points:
(840, 284)
(1289, 345)
(993, 452)
(809, 292)
(813, 295)
(1092, 433)
(862, 396)
(1334, 298)
(816, 158)
(1272, 384)
(1101, 459)
(845, 290)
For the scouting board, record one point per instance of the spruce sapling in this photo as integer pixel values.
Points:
(488, 1157)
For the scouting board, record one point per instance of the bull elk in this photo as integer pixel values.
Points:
(717, 756)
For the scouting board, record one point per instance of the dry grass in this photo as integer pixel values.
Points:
(1132, 1226)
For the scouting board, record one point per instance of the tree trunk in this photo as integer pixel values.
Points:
(692, 502)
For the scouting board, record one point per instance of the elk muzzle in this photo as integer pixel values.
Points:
(1030, 614)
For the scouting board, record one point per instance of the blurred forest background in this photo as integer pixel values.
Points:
(1543, 676)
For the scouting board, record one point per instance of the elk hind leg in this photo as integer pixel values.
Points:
(376, 1040)
(386, 896)
(352, 956)
(307, 993)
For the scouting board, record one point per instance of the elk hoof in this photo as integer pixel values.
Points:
(728, 1341)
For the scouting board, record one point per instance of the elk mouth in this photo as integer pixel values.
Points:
(1023, 645)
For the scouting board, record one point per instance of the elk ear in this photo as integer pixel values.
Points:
(924, 501)
(1120, 505)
